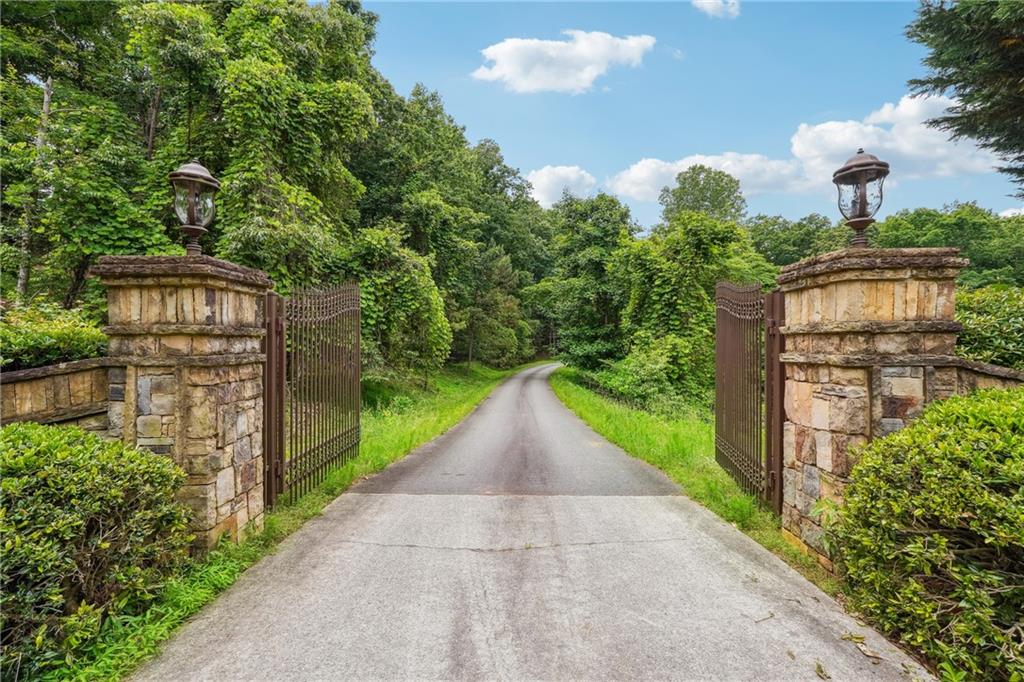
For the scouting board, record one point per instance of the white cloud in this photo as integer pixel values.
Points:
(718, 8)
(1011, 212)
(895, 132)
(757, 174)
(549, 181)
(533, 65)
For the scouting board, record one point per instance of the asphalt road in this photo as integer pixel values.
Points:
(522, 545)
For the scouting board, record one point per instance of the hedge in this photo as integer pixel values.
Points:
(90, 529)
(993, 325)
(45, 335)
(931, 536)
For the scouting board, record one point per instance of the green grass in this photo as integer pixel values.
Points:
(684, 448)
(405, 416)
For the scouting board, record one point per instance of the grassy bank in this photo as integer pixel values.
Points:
(400, 416)
(684, 448)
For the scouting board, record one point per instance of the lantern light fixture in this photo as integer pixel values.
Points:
(194, 190)
(859, 182)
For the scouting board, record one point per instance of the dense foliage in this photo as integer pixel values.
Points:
(90, 530)
(328, 174)
(993, 244)
(931, 537)
(975, 56)
(993, 325)
(45, 335)
(635, 314)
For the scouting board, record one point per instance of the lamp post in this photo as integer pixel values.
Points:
(194, 189)
(859, 182)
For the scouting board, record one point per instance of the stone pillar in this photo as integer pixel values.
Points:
(870, 338)
(188, 332)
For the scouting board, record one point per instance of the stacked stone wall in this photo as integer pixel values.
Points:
(71, 393)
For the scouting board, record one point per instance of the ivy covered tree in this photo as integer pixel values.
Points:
(589, 302)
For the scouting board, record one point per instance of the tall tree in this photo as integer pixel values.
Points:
(702, 189)
(589, 302)
(976, 54)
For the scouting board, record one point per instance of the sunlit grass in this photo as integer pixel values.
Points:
(407, 416)
(683, 446)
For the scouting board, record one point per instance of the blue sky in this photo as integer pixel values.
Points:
(778, 94)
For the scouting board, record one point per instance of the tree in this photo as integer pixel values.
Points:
(701, 189)
(976, 54)
(994, 245)
(588, 301)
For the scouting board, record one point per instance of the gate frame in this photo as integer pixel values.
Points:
(273, 398)
(753, 455)
(774, 394)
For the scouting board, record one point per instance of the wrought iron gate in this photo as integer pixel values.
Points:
(311, 383)
(749, 389)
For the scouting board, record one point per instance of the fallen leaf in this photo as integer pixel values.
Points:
(819, 670)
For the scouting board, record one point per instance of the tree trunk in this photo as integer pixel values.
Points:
(25, 238)
(154, 109)
(77, 282)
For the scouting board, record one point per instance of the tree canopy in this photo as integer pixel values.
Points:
(976, 49)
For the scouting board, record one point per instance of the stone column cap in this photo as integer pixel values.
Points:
(942, 258)
(114, 268)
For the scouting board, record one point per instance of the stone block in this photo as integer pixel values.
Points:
(201, 416)
(242, 450)
(823, 450)
(202, 500)
(789, 444)
(821, 412)
(890, 425)
(832, 489)
(805, 450)
(812, 535)
(177, 344)
(246, 476)
(254, 499)
(902, 407)
(903, 386)
(805, 503)
(789, 479)
(811, 483)
(161, 403)
(80, 388)
(242, 423)
(148, 426)
(225, 486)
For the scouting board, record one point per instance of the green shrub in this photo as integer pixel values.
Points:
(90, 529)
(993, 320)
(931, 536)
(664, 375)
(45, 335)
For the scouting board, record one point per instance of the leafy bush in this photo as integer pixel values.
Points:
(45, 335)
(663, 375)
(90, 529)
(993, 320)
(931, 536)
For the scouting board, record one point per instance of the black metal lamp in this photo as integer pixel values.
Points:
(194, 189)
(860, 192)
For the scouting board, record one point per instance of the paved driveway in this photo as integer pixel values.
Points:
(522, 545)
